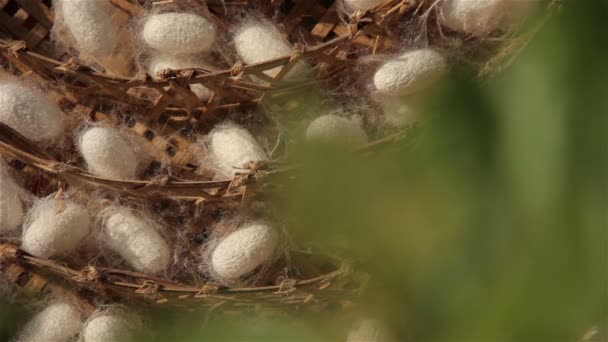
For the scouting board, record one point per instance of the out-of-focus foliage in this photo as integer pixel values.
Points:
(491, 226)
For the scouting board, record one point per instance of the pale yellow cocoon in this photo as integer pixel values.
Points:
(243, 250)
(30, 112)
(362, 5)
(56, 227)
(257, 42)
(161, 61)
(178, 33)
(411, 72)
(58, 322)
(232, 147)
(480, 17)
(11, 206)
(108, 154)
(105, 328)
(336, 129)
(135, 240)
(90, 23)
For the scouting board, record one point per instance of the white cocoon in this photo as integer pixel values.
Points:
(243, 250)
(30, 112)
(55, 228)
(410, 72)
(105, 328)
(333, 128)
(11, 207)
(362, 5)
(135, 240)
(480, 17)
(178, 33)
(160, 62)
(232, 147)
(91, 25)
(108, 154)
(56, 323)
(257, 42)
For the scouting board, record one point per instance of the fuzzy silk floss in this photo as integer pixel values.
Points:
(135, 240)
(257, 42)
(232, 147)
(162, 61)
(29, 112)
(410, 72)
(105, 328)
(11, 207)
(108, 154)
(57, 227)
(243, 250)
(178, 33)
(333, 128)
(368, 330)
(91, 25)
(56, 323)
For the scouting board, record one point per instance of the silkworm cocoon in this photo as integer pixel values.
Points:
(257, 42)
(410, 72)
(243, 250)
(232, 147)
(178, 33)
(362, 5)
(55, 227)
(105, 328)
(90, 23)
(58, 322)
(108, 154)
(160, 62)
(480, 17)
(11, 207)
(333, 128)
(135, 240)
(29, 112)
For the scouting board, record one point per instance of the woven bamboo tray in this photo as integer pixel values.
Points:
(167, 115)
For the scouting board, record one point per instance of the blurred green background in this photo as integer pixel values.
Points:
(492, 226)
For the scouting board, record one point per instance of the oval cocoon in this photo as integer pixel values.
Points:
(108, 154)
(56, 323)
(362, 5)
(257, 42)
(410, 72)
(29, 112)
(91, 25)
(136, 241)
(178, 33)
(105, 328)
(243, 250)
(55, 228)
(480, 17)
(11, 207)
(232, 147)
(333, 128)
(160, 62)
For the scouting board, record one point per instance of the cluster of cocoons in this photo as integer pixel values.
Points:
(242, 251)
(136, 240)
(232, 147)
(11, 206)
(160, 62)
(108, 154)
(30, 112)
(257, 42)
(91, 25)
(105, 327)
(480, 17)
(58, 322)
(178, 33)
(56, 227)
(336, 129)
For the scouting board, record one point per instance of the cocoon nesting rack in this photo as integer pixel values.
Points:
(186, 181)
